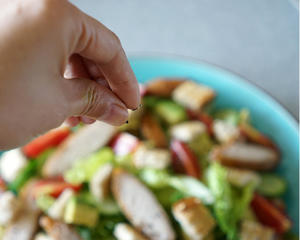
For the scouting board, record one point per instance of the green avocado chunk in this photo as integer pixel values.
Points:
(80, 213)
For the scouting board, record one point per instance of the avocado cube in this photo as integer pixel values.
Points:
(80, 213)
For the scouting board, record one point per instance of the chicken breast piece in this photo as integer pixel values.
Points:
(9, 207)
(246, 155)
(224, 131)
(141, 207)
(163, 86)
(124, 231)
(56, 211)
(194, 218)
(11, 164)
(187, 131)
(58, 230)
(192, 95)
(84, 142)
(100, 183)
(256, 231)
(23, 227)
(153, 158)
(241, 177)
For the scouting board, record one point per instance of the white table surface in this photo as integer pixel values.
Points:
(257, 39)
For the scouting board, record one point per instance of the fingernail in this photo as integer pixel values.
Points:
(117, 115)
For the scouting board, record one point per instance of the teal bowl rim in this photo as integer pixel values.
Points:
(133, 56)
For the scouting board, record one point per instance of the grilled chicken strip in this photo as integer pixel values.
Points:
(141, 207)
(80, 144)
(246, 155)
(124, 231)
(58, 230)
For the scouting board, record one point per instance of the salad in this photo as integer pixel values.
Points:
(179, 169)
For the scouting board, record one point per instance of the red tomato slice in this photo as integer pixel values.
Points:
(269, 215)
(53, 187)
(185, 158)
(2, 185)
(50, 139)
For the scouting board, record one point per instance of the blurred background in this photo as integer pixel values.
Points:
(257, 39)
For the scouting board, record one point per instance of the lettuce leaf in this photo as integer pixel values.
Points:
(230, 203)
(189, 186)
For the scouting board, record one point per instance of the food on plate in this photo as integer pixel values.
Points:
(180, 169)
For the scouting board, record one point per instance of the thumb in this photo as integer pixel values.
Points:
(97, 102)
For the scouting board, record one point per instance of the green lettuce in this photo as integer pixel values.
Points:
(230, 202)
(189, 186)
(84, 169)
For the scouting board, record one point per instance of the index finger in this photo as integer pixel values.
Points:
(99, 44)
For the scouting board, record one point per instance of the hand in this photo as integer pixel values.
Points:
(57, 63)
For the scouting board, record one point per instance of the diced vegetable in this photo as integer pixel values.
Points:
(152, 131)
(230, 203)
(168, 196)
(84, 169)
(124, 143)
(255, 136)
(201, 145)
(269, 215)
(186, 158)
(48, 140)
(230, 116)
(271, 185)
(170, 111)
(80, 213)
(44, 202)
(150, 102)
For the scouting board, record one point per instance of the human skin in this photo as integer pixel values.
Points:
(58, 63)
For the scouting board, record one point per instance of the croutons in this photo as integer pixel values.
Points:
(9, 207)
(224, 131)
(141, 207)
(56, 211)
(187, 131)
(246, 155)
(192, 95)
(82, 143)
(153, 132)
(124, 231)
(99, 185)
(241, 177)
(152, 158)
(163, 86)
(11, 163)
(194, 218)
(255, 231)
(59, 230)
